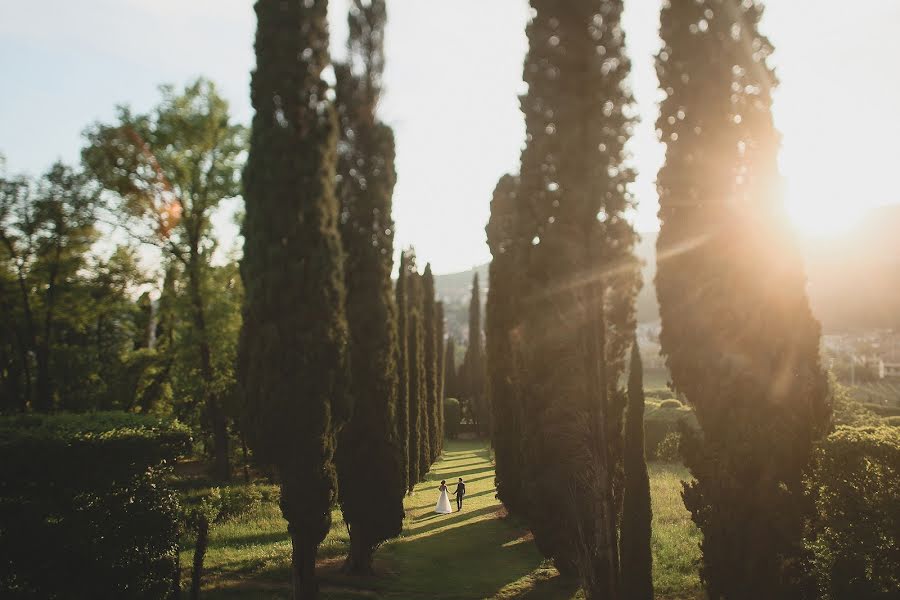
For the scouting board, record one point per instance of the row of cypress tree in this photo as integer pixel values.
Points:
(560, 314)
(738, 335)
(421, 319)
(341, 374)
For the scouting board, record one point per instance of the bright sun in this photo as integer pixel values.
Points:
(816, 219)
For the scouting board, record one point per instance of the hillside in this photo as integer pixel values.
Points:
(854, 278)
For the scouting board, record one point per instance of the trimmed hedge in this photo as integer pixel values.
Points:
(85, 505)
(659, 422)
(855, 535)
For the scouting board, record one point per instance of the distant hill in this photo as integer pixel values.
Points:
(854, 279)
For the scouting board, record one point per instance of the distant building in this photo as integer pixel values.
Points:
(889, 370)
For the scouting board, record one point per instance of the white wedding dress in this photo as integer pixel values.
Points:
(443, 504)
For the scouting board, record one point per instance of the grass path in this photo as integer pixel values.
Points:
(473, 554)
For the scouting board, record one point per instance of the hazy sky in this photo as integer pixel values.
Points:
(453, 76)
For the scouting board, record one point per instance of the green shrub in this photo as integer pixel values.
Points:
(237, 501)
(669, 448)
(671, 403)
(452, 417)
(85, 506)
(659, 422)
(847, 409)
(892, 421)
(855, 536)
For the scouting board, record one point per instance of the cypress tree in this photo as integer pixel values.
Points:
(450, 368)
(501, 320)
(292, 362)
(580, 282)
(637, 513)
(473, 362)
(403, 368)
(368, 455)
(416, 366)
(439, 368)
(429, 310)
(739, 338)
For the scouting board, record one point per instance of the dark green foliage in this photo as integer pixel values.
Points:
(473, 367)
(417, 432)
(659, 423)
(739, 338)
(580, 281)
(450, 380)
(368, 452)
(73, 530)
(402, 303)
(430, 450)
(854, 535)
(439, 368)
(637, 514)
(49, 305)
(293, 345)
(501, 319)
(452, 417)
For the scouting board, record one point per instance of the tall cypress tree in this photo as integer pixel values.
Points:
(501, 320)
(403, 367)
(416, 366)
(368, 455)
(739, 338)
(581, 280)
(293, 343)
(450, 368)
(637, 513)
(439, 368)
(429, 449)
(473, 362)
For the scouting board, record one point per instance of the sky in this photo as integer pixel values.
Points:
(454, 73)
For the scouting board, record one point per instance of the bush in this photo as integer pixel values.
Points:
(660, 422)
(672, 403)
(892, 421)
(855, 536)
(85, 507)
(669, 448)
(452, 417)
(238, 501)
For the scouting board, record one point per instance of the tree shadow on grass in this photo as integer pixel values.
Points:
(431, 521)
(472, 560)
(441, 473)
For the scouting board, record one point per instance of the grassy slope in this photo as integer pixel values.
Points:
(473, 554)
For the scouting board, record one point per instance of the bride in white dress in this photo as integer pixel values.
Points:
(443, 503)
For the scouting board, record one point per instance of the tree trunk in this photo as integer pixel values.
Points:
(303, 569)
(199, 554)
(360, 558)
(245, 456)
(43, 401)
(217, 420)
(175, 592)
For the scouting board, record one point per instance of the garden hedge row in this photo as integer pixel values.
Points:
(86, 510)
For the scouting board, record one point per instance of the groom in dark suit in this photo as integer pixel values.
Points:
(460, 492)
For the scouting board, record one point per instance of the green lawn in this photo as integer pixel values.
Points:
(477, 553)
